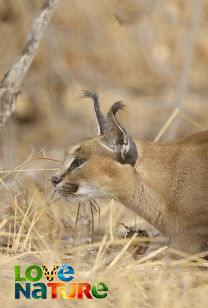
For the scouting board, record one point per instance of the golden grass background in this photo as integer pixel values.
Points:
(153, 55)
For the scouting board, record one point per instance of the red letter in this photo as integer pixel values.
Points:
(54, 287)
(86, 291)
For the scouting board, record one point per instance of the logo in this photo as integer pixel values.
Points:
(28, 287)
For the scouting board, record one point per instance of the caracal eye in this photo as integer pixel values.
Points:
(76, 163)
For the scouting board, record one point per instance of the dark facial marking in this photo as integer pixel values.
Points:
(76, 163)
(70, 188)
(55, 180)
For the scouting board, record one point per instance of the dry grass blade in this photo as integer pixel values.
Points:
(196, 258)
(50, 199)
(151, 254)
(76, 222)
(36, 216)
(54, 201)
(3, 223)
(9, 238)
(116, 242)
(27, 161)
(118, 257)
(15, 221)
(191, 121)
(93, 206)
(17, 240)
(47, 158)
(22, 192)
(100, 253)
(98, 206)
(92, 234)
(24, 254)
(23, 215)
(28, 170)
(45, 173)
(11, 234)
(166, 125)
(111, 220)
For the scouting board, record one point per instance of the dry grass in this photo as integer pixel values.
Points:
(36, 228)
(151, 54)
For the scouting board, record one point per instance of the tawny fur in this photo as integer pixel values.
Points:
(168, 185)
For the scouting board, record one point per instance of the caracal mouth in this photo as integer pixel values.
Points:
(73, 197)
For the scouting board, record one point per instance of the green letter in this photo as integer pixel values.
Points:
(38, 270)
(17, 274)
(95, 290)
(42, 290)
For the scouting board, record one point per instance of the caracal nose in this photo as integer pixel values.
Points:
(55, 180)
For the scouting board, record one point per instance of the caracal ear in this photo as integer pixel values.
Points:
(117, 139)
(98, 114)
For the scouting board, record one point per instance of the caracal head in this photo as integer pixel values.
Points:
(92, 168)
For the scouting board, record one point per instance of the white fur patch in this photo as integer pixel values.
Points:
(107, 147)
(98, 126)
(75, 148)
(81, 165)
(86, 190)
(125, 147)
(69, 162)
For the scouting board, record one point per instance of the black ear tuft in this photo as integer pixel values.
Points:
(116, 107)
(91, 94)
(99, 116)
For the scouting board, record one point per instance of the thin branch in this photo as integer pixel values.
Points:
(11, 83)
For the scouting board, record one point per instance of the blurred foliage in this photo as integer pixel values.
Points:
(125, 49)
